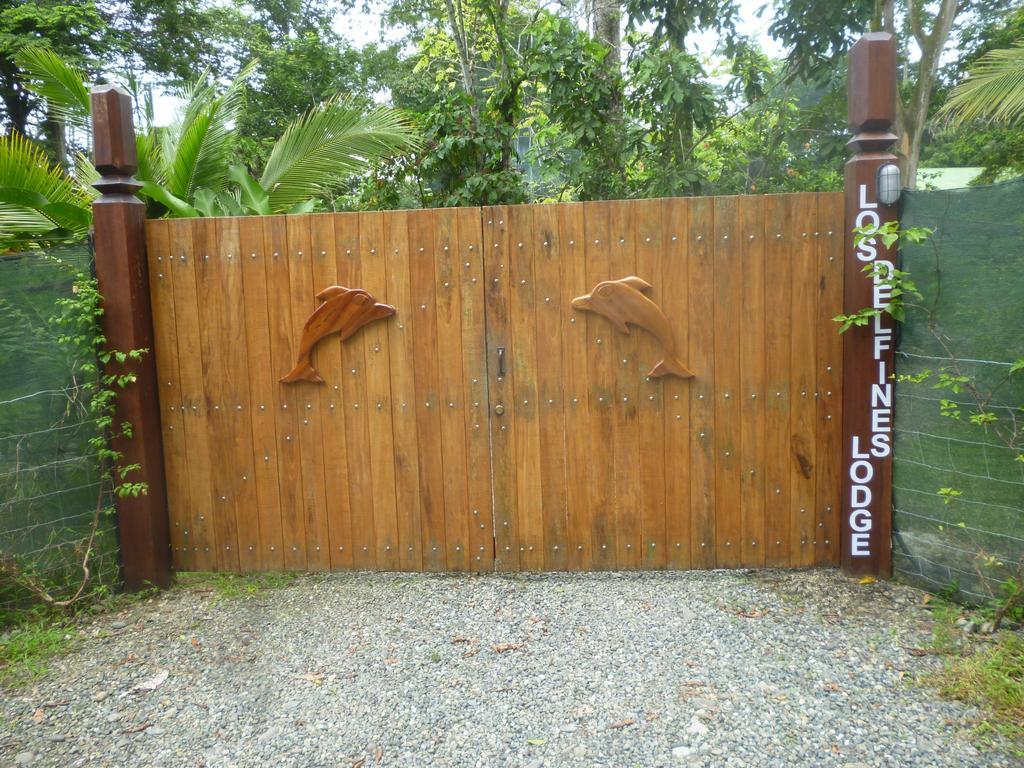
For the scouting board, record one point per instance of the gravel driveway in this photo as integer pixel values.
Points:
(735, 668)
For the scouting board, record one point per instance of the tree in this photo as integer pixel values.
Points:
(993, 90)
(187, 169)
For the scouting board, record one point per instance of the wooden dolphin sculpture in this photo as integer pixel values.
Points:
(623, 302)
(344, 311)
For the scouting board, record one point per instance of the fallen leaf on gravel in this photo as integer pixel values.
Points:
(460, 639)
(507, 647)
(917, 651)
(753, 613)
(832, 618)
(867, 580)
(582, 711)
(38, 716)
(138, 728)
(391, 660)
(621, 723)
(152, 684)
(316, 678)
(537, 742)
(470, 653)
(832, 687)
(358, 763)
(196, 644)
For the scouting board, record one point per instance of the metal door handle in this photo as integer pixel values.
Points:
(501, 362)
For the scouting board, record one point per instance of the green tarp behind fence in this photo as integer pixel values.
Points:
(971, 273)
(48, 478)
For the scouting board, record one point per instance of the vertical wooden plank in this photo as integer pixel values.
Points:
(802, 380)
(728, 271)
(550, 373)
(313, 493)
(576, 401)
(331, 403)
(702, 387)
(522, 360)
(356, 402)
(501, 388)
(403, 392)
(283, 349)
(262, 381)
(425, 366)
(601, 394)
(165, 350)
(378, 386)
(237, 404)
(778, 331)
(675, 300)
(469, 263)
(628, 372)
(650, 250)
(451, 396)
(752, 233)
(829, 376)
(212, 308)
(193, 396)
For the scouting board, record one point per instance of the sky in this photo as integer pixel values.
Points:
(362, 25)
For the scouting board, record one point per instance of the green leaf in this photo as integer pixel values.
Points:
(174, 204)
(63, 86)
(253, 197)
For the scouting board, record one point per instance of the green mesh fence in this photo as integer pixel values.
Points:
(48, 479)
(970, 537)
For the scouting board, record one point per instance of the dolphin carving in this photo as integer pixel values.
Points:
(623, 303)
(344, 311)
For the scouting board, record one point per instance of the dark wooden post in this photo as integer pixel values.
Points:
(866, 524)
(119, 221)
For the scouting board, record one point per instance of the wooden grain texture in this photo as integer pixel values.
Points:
(628, 370)
(753, 237)
(803, 459)
(398, 459)
(331, 404)
(575, 374)
(728, 328)
(648, 230)
(193, 398)
(237, 404)
(262, 382)
(828, 372)
(401, 349)
(703, 504)
(355, 393)
(425, 365)
(675, 298)
(165, 349)
(779, 213)
(285, 397)
(601, 379)
(468, 263)
(378, 391)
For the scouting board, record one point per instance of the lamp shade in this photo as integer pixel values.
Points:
(888, 183)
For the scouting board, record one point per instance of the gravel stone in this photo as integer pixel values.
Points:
(721, 668)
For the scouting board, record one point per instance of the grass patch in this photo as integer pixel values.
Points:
(987, 674)
(235, 586)
(26, 649)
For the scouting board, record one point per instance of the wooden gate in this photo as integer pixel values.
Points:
(493, 422)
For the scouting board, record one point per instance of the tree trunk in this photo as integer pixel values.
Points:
(914, 115)
(607, 16)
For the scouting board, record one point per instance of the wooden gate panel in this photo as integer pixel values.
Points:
(650, 248)
(169, 383)
(469, 276)
(702, 386)
(751, 394)
(829, 379)
(729, 318)
(673, 291)
(399, 460)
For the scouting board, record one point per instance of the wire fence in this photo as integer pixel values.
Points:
(49, 478)
(958, 488)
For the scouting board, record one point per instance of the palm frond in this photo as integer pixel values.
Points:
(39, 202)
(331, 141)
(62, 86)
(197, 150)
(993, 90)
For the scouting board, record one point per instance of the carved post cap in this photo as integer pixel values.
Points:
(113, 135)
(871, 88)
